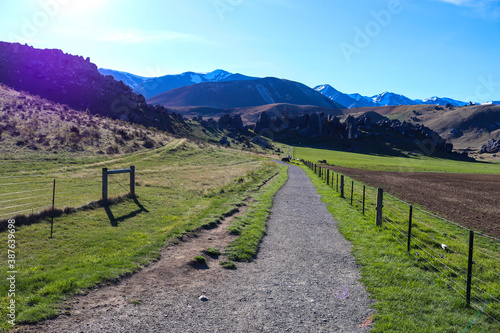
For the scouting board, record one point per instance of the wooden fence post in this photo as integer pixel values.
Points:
(337, 183)
(327, 177)
(410, 217)
(132, 180)
(469, 265)
(380, 205)
(105, 184)
(342, 186)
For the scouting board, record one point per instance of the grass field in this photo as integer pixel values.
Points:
(392, 163)
(414, 291)
(180, 187)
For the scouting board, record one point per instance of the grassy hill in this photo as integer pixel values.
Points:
(32, 124)
(250, 115)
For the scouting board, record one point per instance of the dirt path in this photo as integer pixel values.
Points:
(304, 280)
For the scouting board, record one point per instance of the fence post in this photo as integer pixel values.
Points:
(132, 180)
(469, 265)
(364, 192)
(410, 217)
(337, 182)
(328, 177)
(53, 206)
(352, 190)
(105, 184)
(380, 204)
(342, 186)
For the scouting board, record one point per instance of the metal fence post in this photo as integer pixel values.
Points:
(352, 191)
(342, 186)
(364, 192)
(53, 207)
(380, 205)
(410, 217)
(469, 265)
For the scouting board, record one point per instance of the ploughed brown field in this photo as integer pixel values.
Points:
(472, 200)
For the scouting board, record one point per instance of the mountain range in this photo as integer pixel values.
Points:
(384, 99)
(152, 86)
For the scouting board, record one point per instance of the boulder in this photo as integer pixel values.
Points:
(492, 147)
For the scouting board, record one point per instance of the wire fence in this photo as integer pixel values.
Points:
(465, 260)
(28, 198)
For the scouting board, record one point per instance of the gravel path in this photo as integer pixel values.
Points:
(304, 280)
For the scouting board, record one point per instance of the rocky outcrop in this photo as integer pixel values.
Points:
(76, 82)
(231, 122)
(353, 132)
(492, 147)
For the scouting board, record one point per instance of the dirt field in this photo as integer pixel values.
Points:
(473, 200)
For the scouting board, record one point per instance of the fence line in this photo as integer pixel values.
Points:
(69, 191)
(473, 284)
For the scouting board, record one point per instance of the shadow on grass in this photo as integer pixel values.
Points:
(115, 220)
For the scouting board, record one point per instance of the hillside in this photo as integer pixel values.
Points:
(76, 82)
(30, 124)
(248, 93)
(470, 126)
(250, 115)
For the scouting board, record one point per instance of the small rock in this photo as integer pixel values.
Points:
(203, 298)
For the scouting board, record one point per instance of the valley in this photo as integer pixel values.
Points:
(204, 147)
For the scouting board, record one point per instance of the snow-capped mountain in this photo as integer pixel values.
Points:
(441, 101)
(153, 86)
(389, 98)
(386, 98)
(492, 103)
(131, 80)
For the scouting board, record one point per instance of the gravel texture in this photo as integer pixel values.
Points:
(304, 280)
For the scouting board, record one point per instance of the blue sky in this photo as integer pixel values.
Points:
(419, 48)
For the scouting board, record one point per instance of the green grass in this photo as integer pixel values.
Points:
(200, 260)
(392, 163)
(213, 252)
(181, 187)
(252, 225)
(409, 295)
(227, 264)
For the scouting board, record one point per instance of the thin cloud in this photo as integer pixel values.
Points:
(488, 8)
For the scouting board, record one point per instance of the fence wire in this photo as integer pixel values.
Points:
(450, 265)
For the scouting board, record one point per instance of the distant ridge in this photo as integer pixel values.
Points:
(383, 99)
(248, 93)
(152, 86)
